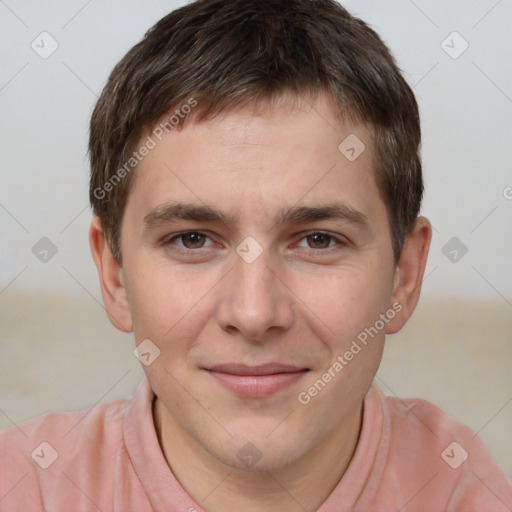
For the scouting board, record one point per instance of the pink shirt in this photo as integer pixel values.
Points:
(411, 456)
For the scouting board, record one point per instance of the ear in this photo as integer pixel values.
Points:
(409, 274)
(111, 280)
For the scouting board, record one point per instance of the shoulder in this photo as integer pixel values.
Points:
(68, 428)
(441, 456)
(422, 418)
(35, 452)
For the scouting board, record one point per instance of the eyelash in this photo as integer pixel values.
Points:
(313, 252)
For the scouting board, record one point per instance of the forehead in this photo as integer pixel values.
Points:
(261, 158)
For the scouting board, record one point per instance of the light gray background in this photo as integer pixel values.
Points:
(58, 350)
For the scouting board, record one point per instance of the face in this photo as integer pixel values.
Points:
(255, 255)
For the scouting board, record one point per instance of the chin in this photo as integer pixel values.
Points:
(258, 453)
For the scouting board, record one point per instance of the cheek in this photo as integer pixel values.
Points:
(168, 303)
(351, 305)
(346, 302)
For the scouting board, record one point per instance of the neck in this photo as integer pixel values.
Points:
(301, 485)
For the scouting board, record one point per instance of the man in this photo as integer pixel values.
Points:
(256, 185)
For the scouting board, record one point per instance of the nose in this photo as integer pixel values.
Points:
(255, 301)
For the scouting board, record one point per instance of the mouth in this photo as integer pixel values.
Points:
(256, 381)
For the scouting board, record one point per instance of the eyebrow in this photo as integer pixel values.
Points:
(170, 212)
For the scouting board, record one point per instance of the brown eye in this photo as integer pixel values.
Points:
(192, 240)
(319, 241)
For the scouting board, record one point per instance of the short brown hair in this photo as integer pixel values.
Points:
(227, 53)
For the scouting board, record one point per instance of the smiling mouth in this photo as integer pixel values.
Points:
(256, 381)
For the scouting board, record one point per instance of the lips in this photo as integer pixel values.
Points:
(256, 381)
(263, 369)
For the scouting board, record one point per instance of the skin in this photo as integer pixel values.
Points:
(302, 301)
